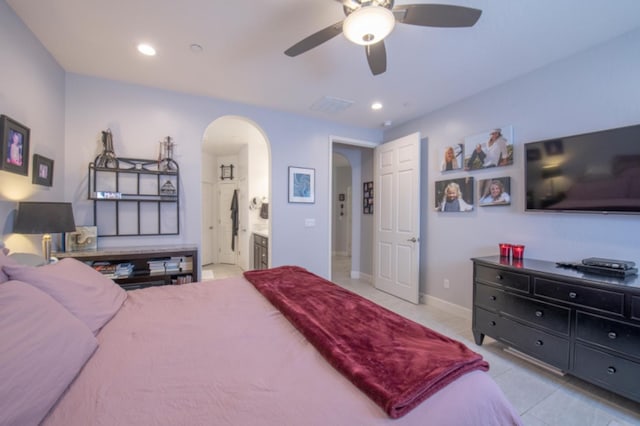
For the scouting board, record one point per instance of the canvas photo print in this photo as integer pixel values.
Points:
(452, 157)
(493, 148)
(494, 192)
(454, 195)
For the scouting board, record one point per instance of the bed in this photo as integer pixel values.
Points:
(78, 350)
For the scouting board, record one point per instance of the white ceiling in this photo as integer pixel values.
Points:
(243, 43)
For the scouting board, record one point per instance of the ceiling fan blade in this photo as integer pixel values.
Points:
(377, 57)
(314, 40)
(437, 15)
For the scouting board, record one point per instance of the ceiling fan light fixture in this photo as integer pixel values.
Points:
(368, 25)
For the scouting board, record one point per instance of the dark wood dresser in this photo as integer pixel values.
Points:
(584, 324)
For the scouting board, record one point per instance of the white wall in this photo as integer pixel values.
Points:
(32, 93)
(594, 90)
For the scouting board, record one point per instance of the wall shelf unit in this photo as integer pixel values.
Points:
(138, 197)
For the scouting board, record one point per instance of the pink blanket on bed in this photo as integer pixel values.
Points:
(396, 362)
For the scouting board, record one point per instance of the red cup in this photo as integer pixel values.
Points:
(518, 251)
(505, 249)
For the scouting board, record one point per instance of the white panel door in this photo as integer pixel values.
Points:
(397, 217)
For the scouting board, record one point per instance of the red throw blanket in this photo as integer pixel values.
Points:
(396, 362)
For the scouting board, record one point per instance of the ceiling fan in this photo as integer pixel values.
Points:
(368, 22)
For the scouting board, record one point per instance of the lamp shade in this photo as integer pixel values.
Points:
(368, 25)
(43, 218)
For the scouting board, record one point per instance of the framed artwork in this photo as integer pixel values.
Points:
(84, 238)
(493, 148)
(494, 192)
(302, 185)
(454, 195)
(14, 147)
(367, 198)
(452, 157)
(42, 170)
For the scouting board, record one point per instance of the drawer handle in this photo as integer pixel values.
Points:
(612, 335)
(611, 370)
(492, 323)
(539, 343)
(498, 277)
(539, 314)
(492, 297)
(573, 295)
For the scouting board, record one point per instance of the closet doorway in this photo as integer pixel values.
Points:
(235, 158)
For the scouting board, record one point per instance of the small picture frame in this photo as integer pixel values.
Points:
(42, 170)
(302, 185)
(367, 197)
(14, 146)
(84, 238)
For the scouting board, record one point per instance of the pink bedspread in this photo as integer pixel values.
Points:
(218, 353)
(395, 361)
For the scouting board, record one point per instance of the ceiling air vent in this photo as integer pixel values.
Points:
(331, 105)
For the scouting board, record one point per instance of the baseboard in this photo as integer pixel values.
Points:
(449, 307)
(364, 277)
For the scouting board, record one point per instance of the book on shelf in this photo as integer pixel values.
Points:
(170, 264)
(113, 270)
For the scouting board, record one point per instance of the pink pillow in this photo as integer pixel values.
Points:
(5, 260)
(86, 293)
(43, 349)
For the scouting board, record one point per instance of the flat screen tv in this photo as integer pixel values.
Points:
(595, 172)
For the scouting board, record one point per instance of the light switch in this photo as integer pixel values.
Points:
(309, 223)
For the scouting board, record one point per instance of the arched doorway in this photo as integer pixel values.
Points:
(235, 160)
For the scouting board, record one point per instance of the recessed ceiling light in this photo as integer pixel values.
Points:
(376, 106)
(146, 49)
(196, 48)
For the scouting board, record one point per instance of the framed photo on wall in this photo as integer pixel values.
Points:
(302, 183)
(452, 157)
(42, 170)
(493, 148)
(14, 146)
(367, 197)
(494, 192)
(454, 195)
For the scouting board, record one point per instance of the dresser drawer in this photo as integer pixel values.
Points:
(609, 333)
(609, 371)
(603, 300)
(513, 280)
(488, 297)
(543, 346)
(540, 314)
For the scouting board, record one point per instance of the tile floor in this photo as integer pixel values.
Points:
(542, 398)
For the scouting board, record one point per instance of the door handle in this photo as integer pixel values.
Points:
(413, 240)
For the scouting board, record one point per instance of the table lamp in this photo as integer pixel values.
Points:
(44, 218)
